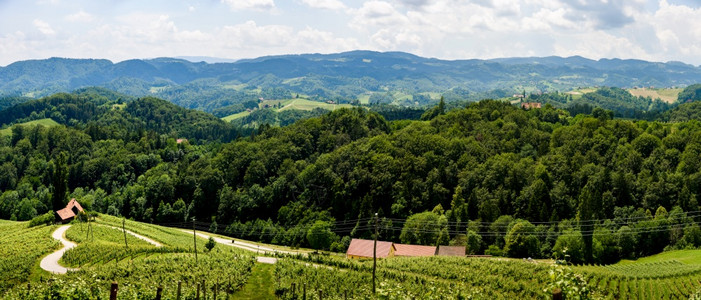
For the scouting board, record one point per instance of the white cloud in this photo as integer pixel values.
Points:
(325, 4)
(43, 27)
(263, 5)
(377, 13)
(80, 16)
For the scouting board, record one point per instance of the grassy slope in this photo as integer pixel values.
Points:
(692, 257)
(44, 122)
(289, 104)
(667, 95)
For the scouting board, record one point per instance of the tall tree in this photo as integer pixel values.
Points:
(59, 180)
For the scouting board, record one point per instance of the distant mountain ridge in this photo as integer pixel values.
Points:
(340, 76)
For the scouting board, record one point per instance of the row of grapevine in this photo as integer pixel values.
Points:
(21, 248)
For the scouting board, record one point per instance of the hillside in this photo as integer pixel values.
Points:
(103, 114)
(363, 76)
(490, 167)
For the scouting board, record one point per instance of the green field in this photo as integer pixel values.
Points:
(44, 122)
(288, 104)
(666, 95)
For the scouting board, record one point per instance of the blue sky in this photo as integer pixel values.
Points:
(656, 30)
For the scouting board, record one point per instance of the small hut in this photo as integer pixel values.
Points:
(68, 213)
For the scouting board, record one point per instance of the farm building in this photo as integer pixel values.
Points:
(451, 251)
(71, 210)
(414, 250)
(360, 248)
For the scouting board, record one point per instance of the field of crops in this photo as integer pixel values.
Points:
(139, 278)
(21, 249)
(662, 276)
(414, 278)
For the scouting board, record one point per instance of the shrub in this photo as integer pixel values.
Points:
(45, 219)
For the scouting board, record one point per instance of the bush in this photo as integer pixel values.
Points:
(494, 250)
(45, 219)
(210, 244)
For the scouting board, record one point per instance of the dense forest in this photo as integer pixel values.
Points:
(503, 180)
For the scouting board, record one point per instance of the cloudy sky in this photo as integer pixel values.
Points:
(656, 30)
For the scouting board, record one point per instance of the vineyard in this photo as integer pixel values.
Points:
(408, 278)
(656, 277)
(141, 268)
(21, 249)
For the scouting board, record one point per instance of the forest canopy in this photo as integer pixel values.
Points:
(505, 180)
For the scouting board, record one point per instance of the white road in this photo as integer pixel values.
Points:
(141, 237)
(50, 262)
(247, 247)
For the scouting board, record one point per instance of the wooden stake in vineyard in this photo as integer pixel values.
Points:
(194, 238)
(374, 257)
(125, 234)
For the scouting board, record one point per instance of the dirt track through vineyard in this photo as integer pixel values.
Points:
(50, 262)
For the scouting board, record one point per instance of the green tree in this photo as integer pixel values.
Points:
(474, 242)
(422, 229)
(570, 247)
(521, 241)
(320, 236)
(59, 182)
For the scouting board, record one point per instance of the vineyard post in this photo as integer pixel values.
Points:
(204, 290)
(321, 293)
(374, 257)
(159, 291)
(557, 294)
(125, 234)
(194, 238)
(197, 297)
(304, 292)
(113, 291)
(177, 294)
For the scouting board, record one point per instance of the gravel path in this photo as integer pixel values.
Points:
(50, 262)
(247, 247)
(141, 237)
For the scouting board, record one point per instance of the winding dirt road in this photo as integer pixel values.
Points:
(50, 262)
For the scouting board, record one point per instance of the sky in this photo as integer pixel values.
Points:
(654, 30)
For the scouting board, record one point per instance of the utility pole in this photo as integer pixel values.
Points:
(374, 257)
(194, 238)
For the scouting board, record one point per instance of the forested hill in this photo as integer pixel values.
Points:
(512, 182)
(344, 77)
(104, 114)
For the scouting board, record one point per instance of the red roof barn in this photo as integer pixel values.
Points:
(363, 249)
(71, 210)
(414, 250)
(451, 251)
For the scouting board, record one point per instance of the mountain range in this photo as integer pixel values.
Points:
(365, 76)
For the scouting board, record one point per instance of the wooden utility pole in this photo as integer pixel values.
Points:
(374, 257)
(194, 237)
